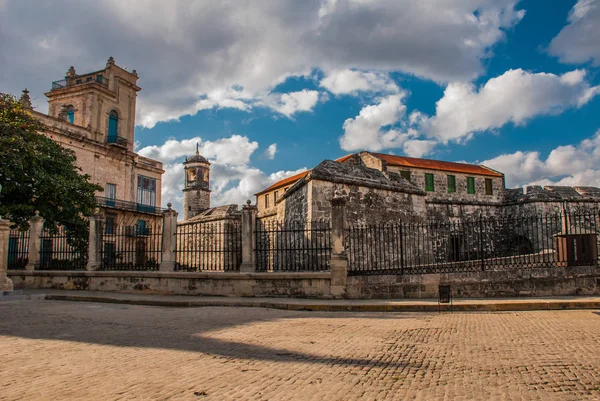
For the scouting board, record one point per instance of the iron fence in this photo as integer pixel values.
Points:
(136, 247)
(293, 246)
(467, 245)
(63, 249)
(18, 249)
(209, 246)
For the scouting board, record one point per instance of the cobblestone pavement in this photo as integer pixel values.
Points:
(53, 350)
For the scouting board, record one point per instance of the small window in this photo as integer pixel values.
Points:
(88, 79)
(275, 197)
(99, 78)
(405, 175)
(113, 126)
(79, 81)
(429, 182)
(111, 191)
(140, 227)
(471, 185)
(266, 201)
(489, 189)
(109, 225)
(451, 184)
(71, 113)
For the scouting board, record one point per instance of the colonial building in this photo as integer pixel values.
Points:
(382, 188)
(93, 114)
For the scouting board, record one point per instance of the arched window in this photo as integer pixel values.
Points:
(71, 113)
(113, 125)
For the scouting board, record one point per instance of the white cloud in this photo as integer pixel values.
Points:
(366, 131)
(233, 178)
(234, 150)
(565, 165)
(418, 148)
(192, 54)
(515, 96)
(291, 103)
(578, 41)
(270, 151)
(341, 82)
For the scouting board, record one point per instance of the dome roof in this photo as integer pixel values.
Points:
(197, 158)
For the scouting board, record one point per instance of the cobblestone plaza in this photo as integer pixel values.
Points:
(53, 350)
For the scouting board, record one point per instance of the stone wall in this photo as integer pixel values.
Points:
(509, 283)
(417, 177)
(303, 285)
(366, 205)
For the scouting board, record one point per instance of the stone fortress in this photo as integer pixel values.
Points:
(381, 188)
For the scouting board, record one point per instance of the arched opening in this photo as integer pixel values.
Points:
(71, 113)
(113, 126)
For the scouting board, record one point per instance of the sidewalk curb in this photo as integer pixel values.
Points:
(299, 306)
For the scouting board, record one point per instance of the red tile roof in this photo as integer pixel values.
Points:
(464, 168)
(291, 180)
(393, 160)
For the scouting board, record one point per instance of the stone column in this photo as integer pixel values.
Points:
(248, 241)
(95, 241)
(6, 284)
(169, 240)
(339, 261)
(36, 225)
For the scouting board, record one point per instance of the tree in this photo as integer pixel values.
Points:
(36, 173)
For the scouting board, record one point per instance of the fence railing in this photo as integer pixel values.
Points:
(209, 246)
(134, 247)
(293, 246)
(18, 249)
(126, 205)
(478, 244)
(63, 249)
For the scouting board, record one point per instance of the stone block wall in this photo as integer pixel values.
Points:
(461, 195)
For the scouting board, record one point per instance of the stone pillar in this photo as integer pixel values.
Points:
(339, 261)
(248, 241)
(6, 284)
(169, 240)
(36, 225)
(95, 241)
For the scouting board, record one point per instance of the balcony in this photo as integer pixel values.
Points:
(128, 206)
(116, 140)
(80, 80)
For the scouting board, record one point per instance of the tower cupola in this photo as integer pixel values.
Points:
(196, 193)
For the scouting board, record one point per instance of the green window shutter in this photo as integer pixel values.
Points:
(429, 183)
(405, 175)
(470, 185)
(451, 183)
(489, 189)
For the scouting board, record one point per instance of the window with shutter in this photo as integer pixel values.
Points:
(470, 185)
(451, 183)
(429, 182)
(489, 189)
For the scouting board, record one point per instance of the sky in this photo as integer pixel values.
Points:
(270, 88)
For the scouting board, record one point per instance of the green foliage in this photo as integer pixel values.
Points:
(36, 173)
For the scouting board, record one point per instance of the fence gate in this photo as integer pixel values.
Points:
(209, 246)
(63, 249)
(18, 249)
(136, 247)
(293, 246)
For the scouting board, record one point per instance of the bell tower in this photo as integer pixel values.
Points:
(196, 194)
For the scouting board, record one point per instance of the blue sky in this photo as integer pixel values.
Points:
(269, 88)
